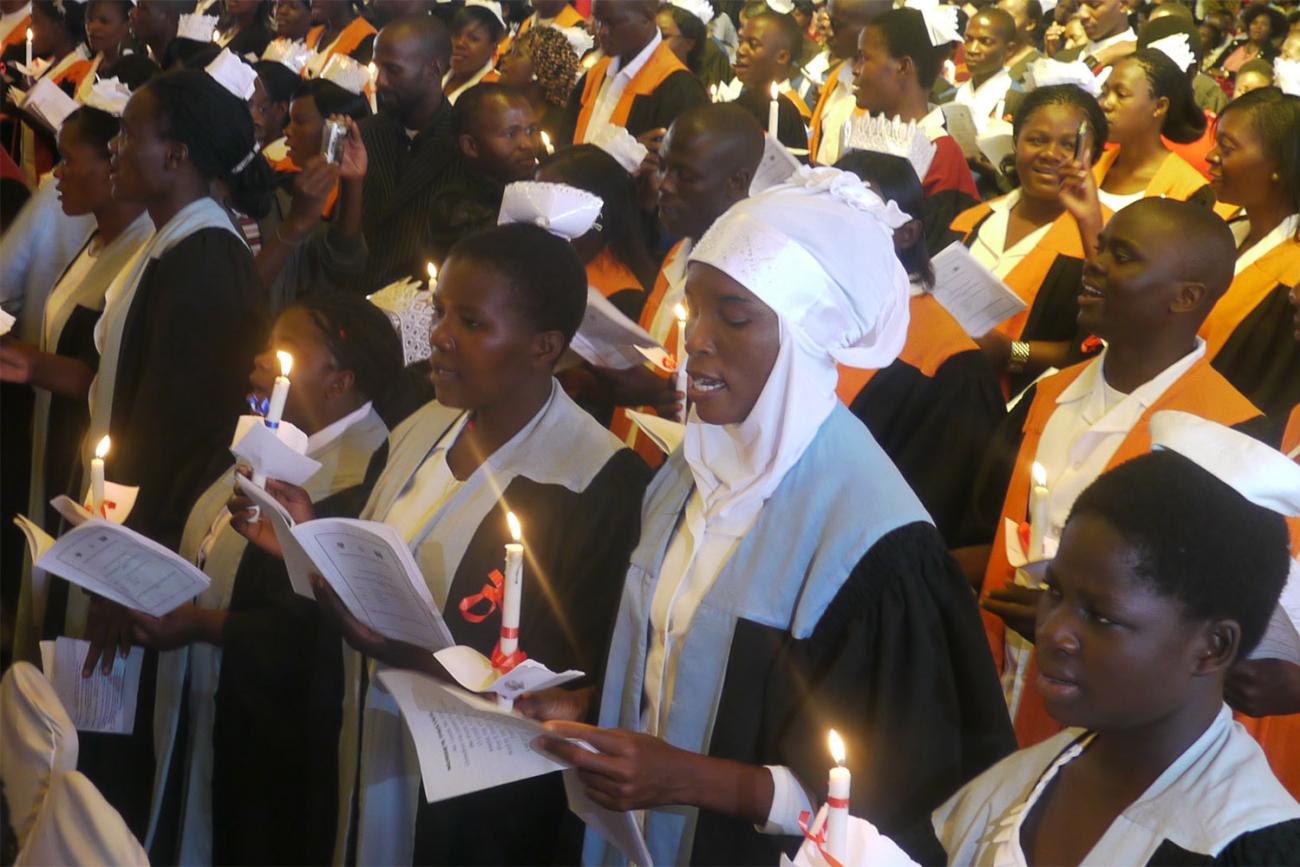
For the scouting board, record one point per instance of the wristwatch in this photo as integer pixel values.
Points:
(1019, 356)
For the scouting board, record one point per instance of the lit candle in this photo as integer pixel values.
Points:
(374, 87)
(29, 52)
(546, 143)
(1038, 496)
(837, 801)
(773, 111)
(510, 595)
(280, 391)
(433, 273)
(97, 477)
(713, 93)
(679, 310)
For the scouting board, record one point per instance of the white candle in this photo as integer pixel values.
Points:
(679, 310)
(837, 801)
(1038, 496)
(374, 87)
(280, 391)
(713, 93)
(773, 112)
(29, 52)
(511, 593)
(433, 273)
(97, 477)
(546, 143)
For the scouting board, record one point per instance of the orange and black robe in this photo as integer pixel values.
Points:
(661, 90)
(356, 40)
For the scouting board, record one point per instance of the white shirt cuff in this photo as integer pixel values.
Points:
(789, 800)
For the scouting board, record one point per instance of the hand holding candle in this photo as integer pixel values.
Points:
(1038, 497)
(837, 801)
(97, 477)
(774, 111)
(511, 592)
(679, 310)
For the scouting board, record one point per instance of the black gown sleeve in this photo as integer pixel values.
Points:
(935, 429)
(899, 666)
(790, 129)
(195, 326)
(674, 95)
(1262, 359)
(1274, 845)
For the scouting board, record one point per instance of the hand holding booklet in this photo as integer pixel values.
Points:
(974, 296)
(99, 703)
(606, 337)
(466, 744)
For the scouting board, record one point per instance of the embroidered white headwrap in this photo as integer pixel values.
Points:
(197, 27)
(1286, 75)
(346, 73)
(1046, 72)
(819, 252)
(701, 9)
(289, 53)
(780, 7)
(941, 22)
(109, 95)
(1178, 48)
(491, 6)
(882, 135)
(233, 74)
(560, 209)
(579, 39)
(619, 143)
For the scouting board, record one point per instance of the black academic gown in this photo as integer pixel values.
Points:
(193, 329)
(1262, 359)
(470, 200)
(675, 94)
(581, 543)
(279, 708)
(791, 130)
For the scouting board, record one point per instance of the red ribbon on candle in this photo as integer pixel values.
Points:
(493, 592)
(503, 663)
(818, 839)
(1092, 343)
(837, 803)
(1023, 533)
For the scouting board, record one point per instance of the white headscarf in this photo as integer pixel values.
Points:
(819, 251)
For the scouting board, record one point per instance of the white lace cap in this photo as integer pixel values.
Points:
(940, 21)
(619, 143)
(289, 53)
(579, 39)
(882, 135)
(1178, 48)
(777, 166)
(1286, 76)
(197, 27)
(560, 209)
(409, 306)
(701, 9)
(491, 6)
(233, 74)
(1046, 72)
(819, 251)
(109, 95)
(729, 91)
(781, 7)
(1261, 474)
(346, 73)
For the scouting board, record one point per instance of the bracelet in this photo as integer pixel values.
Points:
(279, 236)
(1019, 356)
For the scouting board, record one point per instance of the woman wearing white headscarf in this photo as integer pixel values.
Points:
(787, 580)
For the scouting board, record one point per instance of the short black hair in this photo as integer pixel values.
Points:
(467, 15)
(1001, 20)
(1197, 540)
(788, 29)
(548, 278)
(93, 126)
(692, 28)
(332, 99)
(906, 35)
(897, 182)
(476, 100)
(1064, 94)
(1276, 117)
(70, 16)
(1184, 121)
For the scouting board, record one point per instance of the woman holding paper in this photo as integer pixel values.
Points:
(787, 580)
(59, 42)
(935, 407)
(502, 437)
(251, 762)
(1036, 238)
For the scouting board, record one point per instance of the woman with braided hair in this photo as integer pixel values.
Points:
(543, 66)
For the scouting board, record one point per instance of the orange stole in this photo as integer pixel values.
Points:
(661, 64)
(348, 39)
(1026, 278)
(1200, 391)
(1279, 736)
(1248, 290)
(797, 101)
(18, 35)
(1193, 153)
(933, 336)
(609, 275)
(42, 156)
(1175, 179)
(832, 81)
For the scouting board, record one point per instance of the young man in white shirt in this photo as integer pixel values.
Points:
(990, 39)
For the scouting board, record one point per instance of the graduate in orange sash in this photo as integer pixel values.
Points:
(341, 31)
(936, 407)
(836, 103)
(1161, 265)
(1256, 165)
(546, 13)
(640, 84)
(58, 36)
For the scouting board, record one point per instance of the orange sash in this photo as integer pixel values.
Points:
(797, 101)
(1248, 290)
(18, 35)
(1201, 391)
(661, 64)
(1175, 179)
(348, 40)
(933, 336)
(1062, 239)
(609, 275)
(832, 81)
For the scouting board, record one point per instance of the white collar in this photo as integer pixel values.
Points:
(1281, 232)
(634, 65)
(474, 79)
(999, 80)
(1090, 387)
(1125, 35)
(1004, 204)
(277, 150)
(317, 442)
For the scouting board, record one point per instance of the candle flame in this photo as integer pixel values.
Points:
(546, 143)
(516, 531)
(102, 449)
(373, 70)
(679, 310)
(433, 272)
(286, 362)
(713, 93)
(836, 744)
(29, 34)
(776, 92)
(1039, 472)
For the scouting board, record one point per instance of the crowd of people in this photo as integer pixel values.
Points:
(1039, 569)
